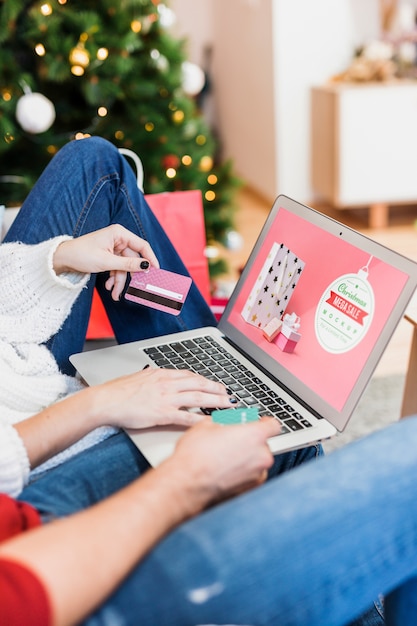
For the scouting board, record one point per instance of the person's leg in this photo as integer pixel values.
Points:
(86, 478)
(400, 606)
(373, 617)
(288, 460)
(98, 472)
(313, 546)
(89, 185)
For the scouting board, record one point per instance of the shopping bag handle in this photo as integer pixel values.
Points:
(138, 164)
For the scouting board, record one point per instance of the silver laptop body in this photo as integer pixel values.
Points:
(347, 294)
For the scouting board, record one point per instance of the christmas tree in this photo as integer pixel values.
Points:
(74, 68)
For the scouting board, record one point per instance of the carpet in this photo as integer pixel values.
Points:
(379, 406)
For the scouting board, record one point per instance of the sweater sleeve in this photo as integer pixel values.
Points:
(34, 301)
(24, 599)
(14, 461)
(16, 517)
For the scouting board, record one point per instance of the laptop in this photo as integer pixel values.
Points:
(300, 337)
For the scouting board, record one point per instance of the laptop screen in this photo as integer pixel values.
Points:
(316, 306)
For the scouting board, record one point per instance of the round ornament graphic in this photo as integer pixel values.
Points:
(345, 311)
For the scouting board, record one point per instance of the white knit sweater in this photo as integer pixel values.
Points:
(34, 303)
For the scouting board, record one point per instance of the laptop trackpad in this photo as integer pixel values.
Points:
(157, 443)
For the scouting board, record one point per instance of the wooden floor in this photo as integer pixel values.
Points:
(400, 235)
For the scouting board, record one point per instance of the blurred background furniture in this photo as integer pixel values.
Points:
(363, 139)
(409, 400)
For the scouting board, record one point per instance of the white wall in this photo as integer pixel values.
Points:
(313, 40)
(244, 88)
(266, 56)
(194, 21)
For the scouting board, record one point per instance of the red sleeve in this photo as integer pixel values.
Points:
(16, 517)
(23, 597)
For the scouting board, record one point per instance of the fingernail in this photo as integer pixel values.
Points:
(144, 265)
(233, 400)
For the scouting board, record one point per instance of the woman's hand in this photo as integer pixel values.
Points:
(113, 249)
(154, 397)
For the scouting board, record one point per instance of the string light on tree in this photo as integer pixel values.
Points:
(136, 26)
(40, 50)
(211, 252)
(186, 160)
(6, 94)
(46, 9)
(178, 117)
(206, 163)
(102, 54)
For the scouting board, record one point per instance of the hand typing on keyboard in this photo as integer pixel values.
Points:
(157, 396)
(207, 357)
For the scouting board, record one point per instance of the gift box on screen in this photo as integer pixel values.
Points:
(273, 287)
(289, 335)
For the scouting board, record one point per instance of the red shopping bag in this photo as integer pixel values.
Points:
(181, 215)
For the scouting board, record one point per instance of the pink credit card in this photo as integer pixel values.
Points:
(159, 289)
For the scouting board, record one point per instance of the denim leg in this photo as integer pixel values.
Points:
(312, 546)
(89, 185)
(102, 470)
(400, 606)
(86, 478)
(373, 617)
(288, 460)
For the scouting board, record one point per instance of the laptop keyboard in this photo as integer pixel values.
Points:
(205, 356)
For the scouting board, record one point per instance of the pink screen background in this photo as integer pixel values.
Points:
(327, 257)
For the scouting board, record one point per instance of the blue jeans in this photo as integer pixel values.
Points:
(89, 185)
(313, 546)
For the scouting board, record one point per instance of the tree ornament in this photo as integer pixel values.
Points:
(233, 240)
(79, 56)
(170, 160)
(193, 78)
(35, 113)
(167, 17)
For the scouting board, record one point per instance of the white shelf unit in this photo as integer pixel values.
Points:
(363, 146)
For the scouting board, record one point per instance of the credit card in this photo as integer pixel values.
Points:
(159, 289)
(235, 416)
